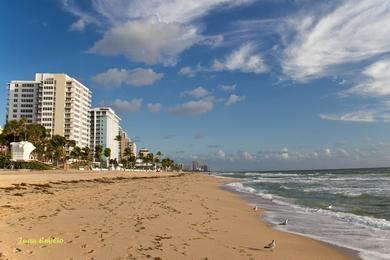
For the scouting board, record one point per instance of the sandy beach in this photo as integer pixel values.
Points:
(132, 216)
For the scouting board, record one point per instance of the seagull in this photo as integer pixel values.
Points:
(255, 208)
(271, 245)
(330, 207)
(284, 223)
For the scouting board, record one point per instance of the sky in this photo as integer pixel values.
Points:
(235, 84)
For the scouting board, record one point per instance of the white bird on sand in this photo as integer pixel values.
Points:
(255, 208)
(284, 223)
(271, 245)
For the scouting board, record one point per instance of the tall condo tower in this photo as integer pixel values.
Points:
(57, 101)
(105, 129)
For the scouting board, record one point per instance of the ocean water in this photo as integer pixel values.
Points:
(348, 207)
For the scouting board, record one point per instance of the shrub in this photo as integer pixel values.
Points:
(5, 161)
(34, 165)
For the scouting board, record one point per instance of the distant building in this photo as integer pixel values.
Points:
(144, 152)
(124, 143)
(195, 165)
(104, 130)
(57, 101)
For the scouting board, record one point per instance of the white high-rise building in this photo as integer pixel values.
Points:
(104, 130)
(58, 102)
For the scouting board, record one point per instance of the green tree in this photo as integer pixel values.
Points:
(57, 145)
(14, 131)
(37, 135)
(167, 163)
(99, 153)
(130, 157)
(86, 154)
(107, 154)
(158, 157)
(149, 158)
(118, 138)
(76, 153)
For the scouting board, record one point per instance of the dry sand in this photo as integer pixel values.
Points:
(111, 217)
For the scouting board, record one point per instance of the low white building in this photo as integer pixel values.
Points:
(21, 151)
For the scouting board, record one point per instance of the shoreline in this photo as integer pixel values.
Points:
(353, 254)
(175, 217)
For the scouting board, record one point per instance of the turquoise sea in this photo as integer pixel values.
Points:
(345, 207)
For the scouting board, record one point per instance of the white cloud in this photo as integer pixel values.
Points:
(284, 154)
(83, 17)
(327, 152)
(187, 71)
(193, 108)
(79, 25)
(378, 82)
(379, 113)
(234, 99)
(228, 88)
(244, 59)
(167, 11)
(220, 154)
(132, 106)
(149, 41)
(343, 153)
(138, 77)
(354, 31)
(154, 108)
(198, 92)
(247, 156)
(150, 31)
(191, 72)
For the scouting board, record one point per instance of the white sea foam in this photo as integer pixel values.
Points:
(367, 235)
(238, 186)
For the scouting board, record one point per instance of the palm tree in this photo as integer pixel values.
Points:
(107, 154)
(128, 154)
(167, 163)
(149, 158)
(158, 157)
(118, 138)
(76, 153)
(13, 130)
(36, 134)
(99, 153)
(86, 154)
(57, 144)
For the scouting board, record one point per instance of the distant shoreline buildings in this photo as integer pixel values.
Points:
(62, 105)
(197, 167)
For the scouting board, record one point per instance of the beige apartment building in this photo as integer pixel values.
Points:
(57, 101)
(126, 142)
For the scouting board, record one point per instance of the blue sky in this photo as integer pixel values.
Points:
(236, 84)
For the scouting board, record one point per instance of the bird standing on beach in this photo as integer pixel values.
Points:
(255, 208)
(284, 223)
(271, 245)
